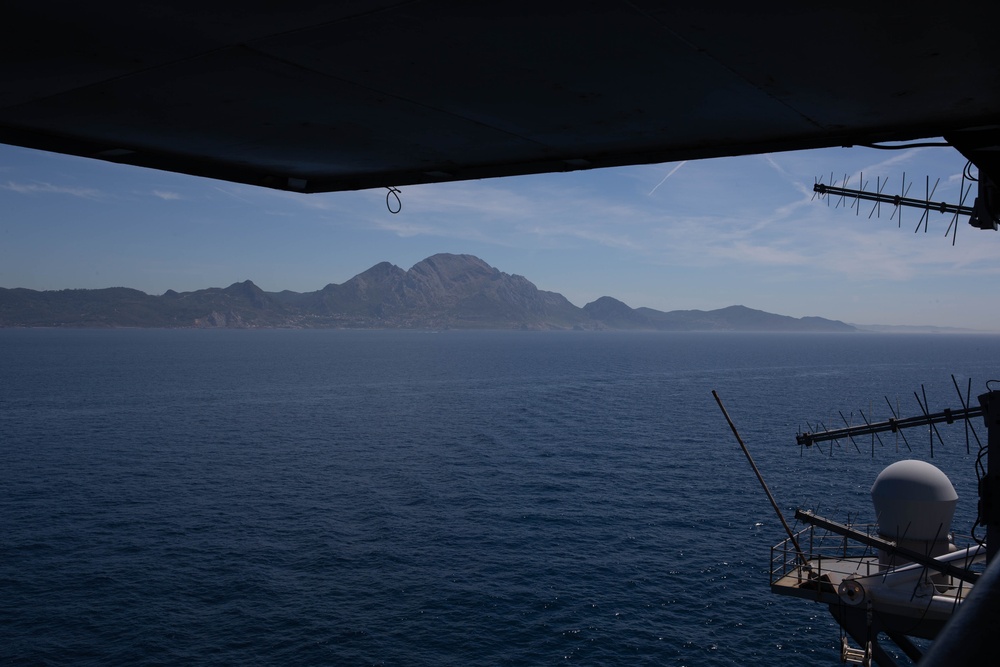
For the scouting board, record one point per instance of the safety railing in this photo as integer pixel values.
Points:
(833, 555)
(825, 552)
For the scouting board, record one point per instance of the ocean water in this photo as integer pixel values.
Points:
(411, 498)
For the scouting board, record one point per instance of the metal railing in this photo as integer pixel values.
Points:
(832, 554)
(825, 552)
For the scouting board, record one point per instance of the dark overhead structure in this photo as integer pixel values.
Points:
(327, 96)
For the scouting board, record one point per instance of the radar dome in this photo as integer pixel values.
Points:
(914, 500)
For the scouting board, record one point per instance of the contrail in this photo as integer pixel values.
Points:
(671, 173)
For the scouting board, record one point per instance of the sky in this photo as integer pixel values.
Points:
(701, 234)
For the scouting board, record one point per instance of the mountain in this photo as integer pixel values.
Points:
(614, 314)
(913, 329)
(443, 291)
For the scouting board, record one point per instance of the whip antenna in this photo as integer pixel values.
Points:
(760, 478)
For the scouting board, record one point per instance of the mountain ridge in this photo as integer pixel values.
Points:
(443, 291)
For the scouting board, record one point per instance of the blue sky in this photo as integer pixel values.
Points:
(694, 235)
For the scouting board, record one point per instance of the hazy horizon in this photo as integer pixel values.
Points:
(690, 235)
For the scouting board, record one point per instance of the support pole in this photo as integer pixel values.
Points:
(760, 478)
(989, 490)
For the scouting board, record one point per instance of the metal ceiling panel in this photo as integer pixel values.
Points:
(321, 96)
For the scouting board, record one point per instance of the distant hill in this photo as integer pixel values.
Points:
(912, 329)
(441, 292)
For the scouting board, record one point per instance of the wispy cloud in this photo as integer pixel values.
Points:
(786, 229)
(894, 160)
(165, 195)
(38, 188)
(406, 228)
(492, 201)
(769, 159)
(669, 174)
(231, 192)
(757, 253)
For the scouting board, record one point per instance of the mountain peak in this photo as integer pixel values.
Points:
(442, 291)
(452, 267)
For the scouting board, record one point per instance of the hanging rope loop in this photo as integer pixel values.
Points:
(393, 193)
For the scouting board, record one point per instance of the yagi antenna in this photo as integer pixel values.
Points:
(852, 198)
(897, 424)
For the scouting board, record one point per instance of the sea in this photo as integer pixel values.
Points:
(319, 497)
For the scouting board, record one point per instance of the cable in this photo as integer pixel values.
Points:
(899, 147)
(393, 192)
(967, 172)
